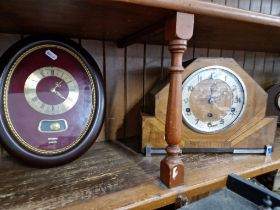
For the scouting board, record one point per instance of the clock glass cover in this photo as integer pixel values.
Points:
(53, 101)
(213, 98)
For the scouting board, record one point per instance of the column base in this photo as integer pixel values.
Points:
(172, 171)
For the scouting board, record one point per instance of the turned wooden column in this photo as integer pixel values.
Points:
(178, 30)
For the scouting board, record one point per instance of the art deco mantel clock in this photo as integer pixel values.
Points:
(52, 100)
(223, 110)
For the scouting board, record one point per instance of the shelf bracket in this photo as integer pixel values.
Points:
(178, 30)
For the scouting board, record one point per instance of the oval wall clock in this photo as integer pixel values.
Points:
(52, 100)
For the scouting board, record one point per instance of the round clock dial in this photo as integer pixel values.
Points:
(53, 100)
(213, 99)
(64, 90)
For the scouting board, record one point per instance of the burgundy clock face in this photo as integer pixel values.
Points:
(49, 99)
(51, 103)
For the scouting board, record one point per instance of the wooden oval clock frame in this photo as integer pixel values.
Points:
(251, 130)
(52, 100)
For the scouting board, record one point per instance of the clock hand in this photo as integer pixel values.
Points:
(57, 84)
(53, 90)
(59, 94)
(210, 99)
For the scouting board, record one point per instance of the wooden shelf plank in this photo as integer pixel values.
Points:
(98, 19)
(210, 9)
(110, 176)
(216, 26)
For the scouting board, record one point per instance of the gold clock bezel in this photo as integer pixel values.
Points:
(30, 92)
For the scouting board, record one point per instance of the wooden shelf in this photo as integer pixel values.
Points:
(216, 26)
(110, 176)
(98, 19)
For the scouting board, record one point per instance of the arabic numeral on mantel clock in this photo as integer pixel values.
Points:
(213, 99)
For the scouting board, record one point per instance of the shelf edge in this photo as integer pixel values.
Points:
(210, 9)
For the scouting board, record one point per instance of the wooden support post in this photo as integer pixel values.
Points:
(178, 30)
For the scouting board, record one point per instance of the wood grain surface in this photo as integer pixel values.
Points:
(85, 19)
(120, 179)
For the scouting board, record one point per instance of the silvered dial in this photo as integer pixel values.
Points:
(213, 99)
(65, 78)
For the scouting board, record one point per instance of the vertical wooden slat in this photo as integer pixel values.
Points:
(269, 62)
(227, 53)
(259, 63)
(161, 62)
(232, 3)
(134, 89)
(275, 7)
(152, 70)
(270, 75)
(166, 61)
(188, 54)
(244, 4)
(255, 5)
(200, 52)
(214, 53)
(266, 6)
(95, 48)
(239, 56)
(249, 62)
(249, 57)
(125, 93)
(115, 91)
(259, 66)
(276, 67)
(223, 2)
(144, 75)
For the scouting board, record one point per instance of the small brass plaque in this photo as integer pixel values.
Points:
(52, 126)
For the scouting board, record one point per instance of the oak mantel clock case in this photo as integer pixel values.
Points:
(52, 100)
(223, 110)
